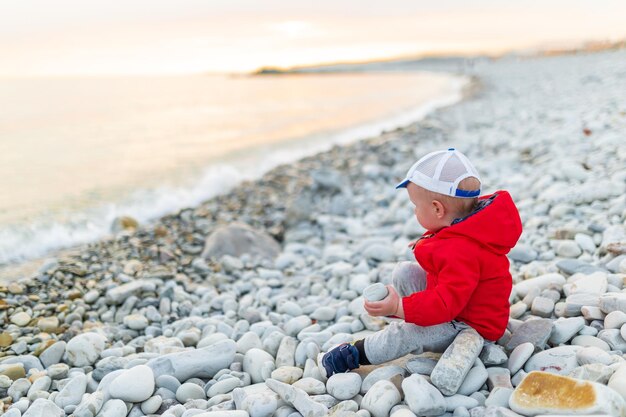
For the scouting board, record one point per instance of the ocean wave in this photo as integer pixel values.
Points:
(21, 242)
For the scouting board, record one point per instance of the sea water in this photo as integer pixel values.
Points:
(77, 152)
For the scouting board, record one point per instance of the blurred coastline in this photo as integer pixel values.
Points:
(119, 148)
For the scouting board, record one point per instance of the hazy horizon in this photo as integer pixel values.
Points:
(72, 37)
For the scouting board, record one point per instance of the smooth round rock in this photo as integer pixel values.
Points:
(380, 398)
(253, 363)
(84, 349)
(587, 341)
(519, 356)
(422, 397)
(344, 386)
(136, 321)
(20, 319)
(324, 313)
(375, 292)
(223, 387)
(615, 320)
(48, 324)
(189, 391)
(168, 382)
(134, 385)
(151, 405)
(247, 341)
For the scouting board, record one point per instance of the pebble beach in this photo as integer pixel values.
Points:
(221, 310)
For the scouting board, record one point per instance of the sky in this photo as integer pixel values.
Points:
(101, 37)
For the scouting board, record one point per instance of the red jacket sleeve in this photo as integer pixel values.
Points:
(457, 277)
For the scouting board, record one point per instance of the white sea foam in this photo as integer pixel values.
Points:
(40, 238)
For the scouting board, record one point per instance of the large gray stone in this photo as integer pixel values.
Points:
(422, 398)
(200, 363)
(344, 386)
(456, 361)
(380, 398)
(536, 332)
(559, 360)
(133, 385)
(565, 328)
(236, 239)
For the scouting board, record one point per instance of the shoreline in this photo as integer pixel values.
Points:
(300, 147)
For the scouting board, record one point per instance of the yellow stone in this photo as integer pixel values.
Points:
(48, 324)
(5, 339)
(15, 288)
(547, 393)
(13, 370)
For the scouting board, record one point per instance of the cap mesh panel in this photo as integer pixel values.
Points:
(452, 169)
(429, 166)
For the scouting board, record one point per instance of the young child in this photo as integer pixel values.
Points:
(462, 277)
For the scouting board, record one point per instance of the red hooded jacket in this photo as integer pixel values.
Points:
(467, 271)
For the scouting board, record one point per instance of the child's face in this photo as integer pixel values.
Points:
(427, 211)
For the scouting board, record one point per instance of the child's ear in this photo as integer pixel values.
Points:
(439, 209)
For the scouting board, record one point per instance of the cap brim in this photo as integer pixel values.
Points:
(403, 184)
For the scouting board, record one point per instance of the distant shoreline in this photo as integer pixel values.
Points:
(444, 59)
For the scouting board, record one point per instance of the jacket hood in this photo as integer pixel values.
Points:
(496, 224)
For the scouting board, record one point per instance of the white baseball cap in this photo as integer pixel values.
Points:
(441, 172)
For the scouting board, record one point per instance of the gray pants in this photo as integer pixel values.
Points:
(400, 338)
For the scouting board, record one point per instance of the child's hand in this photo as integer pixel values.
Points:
(390, 306)
(412, 244)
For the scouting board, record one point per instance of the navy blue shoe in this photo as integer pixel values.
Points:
(343, 358)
